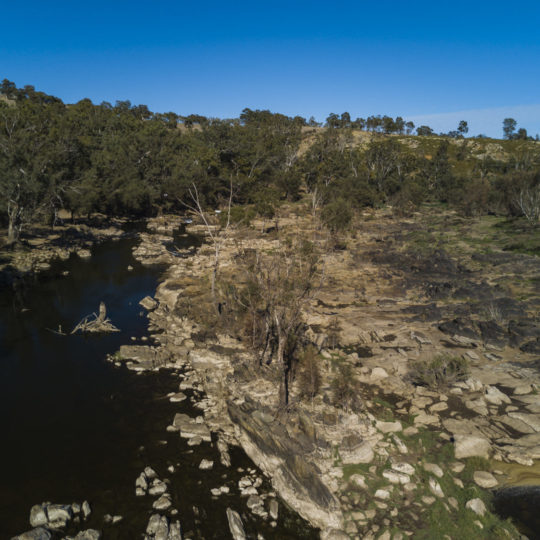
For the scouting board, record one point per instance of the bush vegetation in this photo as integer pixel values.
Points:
(443, 370)
(124, 159)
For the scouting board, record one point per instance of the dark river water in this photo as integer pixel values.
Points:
(75, 427)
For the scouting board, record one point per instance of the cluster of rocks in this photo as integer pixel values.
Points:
(248, 487)
(161, 528)
(148, 483)
(60, 245)
(153, 250)
(417, 485)
(156, 247)
(483, 415)
(192, 429)
(47, 518)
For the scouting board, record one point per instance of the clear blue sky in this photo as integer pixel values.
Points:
(421, 60)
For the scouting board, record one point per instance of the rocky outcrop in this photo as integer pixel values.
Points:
(280, 456)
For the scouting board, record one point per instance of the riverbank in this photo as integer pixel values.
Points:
(412, 454)
(37, 248)
(95, 432)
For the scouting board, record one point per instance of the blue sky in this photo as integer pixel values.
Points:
(432, 62)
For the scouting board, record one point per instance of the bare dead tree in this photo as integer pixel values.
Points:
(277, 287)
(217, 234)
(528, 201)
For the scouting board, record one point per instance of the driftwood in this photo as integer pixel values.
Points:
(96, 323)
(59, 332)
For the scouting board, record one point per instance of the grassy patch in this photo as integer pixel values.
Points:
(356, 468)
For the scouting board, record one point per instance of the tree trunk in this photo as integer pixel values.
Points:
(284, 398)
(13, 230)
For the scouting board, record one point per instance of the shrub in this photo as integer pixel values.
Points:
(240, 215)
(345, 389)
(337, 215)
(309, 377)
(443, 370)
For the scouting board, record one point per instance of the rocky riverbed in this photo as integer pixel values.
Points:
(39, 247)
(413, 454)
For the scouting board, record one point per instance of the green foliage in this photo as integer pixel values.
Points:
(240, 215)
(443, 370)
(337, 215)
(123, 159)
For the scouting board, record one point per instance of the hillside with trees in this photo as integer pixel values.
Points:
(124, 160)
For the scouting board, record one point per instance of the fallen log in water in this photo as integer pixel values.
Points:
(96, 323)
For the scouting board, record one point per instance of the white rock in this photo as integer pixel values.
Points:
(163, 503)
(471, 445)
(178, 397)
(441, 406)
(38, 516)
(389, 427)
(434, 469)
(435, 488)
(378, 373)
(477, 506)
(206, 464)
(141, 482)
(402, 448)
(244, 482)
(357, 480)
(523, 389)
(158, 488)
(395, 477)
(86, 510)
(361, 454)
(457, 466)
(427, 419)
(485, 479)
(383, 494)
(35, 534)
(273, 508)
(404, 468)
(253, 501)
(235, 525)
(494, 396)
(474, 384)
(149, 473)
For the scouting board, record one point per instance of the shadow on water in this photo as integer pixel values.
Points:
(522, 504)
(75, 427)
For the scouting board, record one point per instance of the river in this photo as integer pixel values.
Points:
(76, 427)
